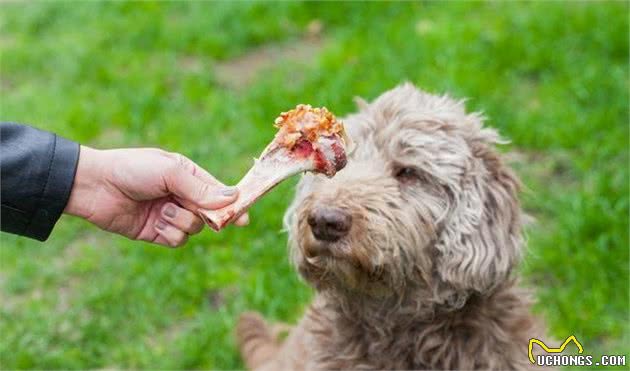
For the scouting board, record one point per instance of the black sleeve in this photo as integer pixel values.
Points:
(37, 171)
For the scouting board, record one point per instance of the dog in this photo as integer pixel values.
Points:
(411, 249)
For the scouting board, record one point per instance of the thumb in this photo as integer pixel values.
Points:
(190, 189)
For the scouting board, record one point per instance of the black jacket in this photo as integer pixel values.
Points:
(37, 172)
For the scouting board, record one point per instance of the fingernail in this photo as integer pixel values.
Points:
(170, 211)
(160, 225)
(229, 191)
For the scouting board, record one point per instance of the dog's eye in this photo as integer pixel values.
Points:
(406, 174)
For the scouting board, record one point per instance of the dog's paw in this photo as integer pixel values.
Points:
(251, 326)
(255, 339)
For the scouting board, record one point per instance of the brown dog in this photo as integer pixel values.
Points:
(410, 247)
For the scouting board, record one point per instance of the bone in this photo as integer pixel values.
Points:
(266, 173)
(299, 146)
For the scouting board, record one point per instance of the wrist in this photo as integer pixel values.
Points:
(87, 179)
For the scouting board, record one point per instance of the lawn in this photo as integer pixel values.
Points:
(207, 79)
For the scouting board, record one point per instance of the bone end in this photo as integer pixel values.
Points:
(215, 219)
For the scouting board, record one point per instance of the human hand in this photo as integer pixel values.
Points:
(146, 194)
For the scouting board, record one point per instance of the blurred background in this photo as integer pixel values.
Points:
(207, 79)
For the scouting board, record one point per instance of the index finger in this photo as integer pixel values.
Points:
(199, 173)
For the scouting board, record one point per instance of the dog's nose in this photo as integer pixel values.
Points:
(329, 224)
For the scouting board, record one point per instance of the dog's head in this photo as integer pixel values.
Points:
(424, 203)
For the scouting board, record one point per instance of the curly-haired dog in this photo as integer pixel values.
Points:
(410, 248)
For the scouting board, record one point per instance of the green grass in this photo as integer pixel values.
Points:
(551, 76)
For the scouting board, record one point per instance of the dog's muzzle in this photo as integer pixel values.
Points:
(329, 224)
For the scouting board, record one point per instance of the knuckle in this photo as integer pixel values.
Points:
(183, 161)
(178, 162)
(175, 160)
(203, 191)
(172, 169)
(170, 156)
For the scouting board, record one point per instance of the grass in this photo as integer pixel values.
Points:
(552, 77)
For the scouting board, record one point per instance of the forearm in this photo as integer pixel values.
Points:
(145, 194)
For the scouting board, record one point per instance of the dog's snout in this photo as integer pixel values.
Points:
(329, 224)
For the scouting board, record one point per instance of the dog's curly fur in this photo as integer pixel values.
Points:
(423, 278)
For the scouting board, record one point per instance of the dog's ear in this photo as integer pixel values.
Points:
(481, 240)
(361, 103)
